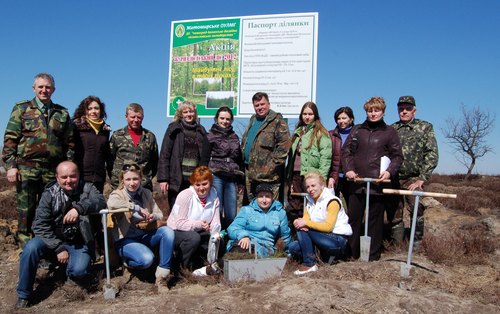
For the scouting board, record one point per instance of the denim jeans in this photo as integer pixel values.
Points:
(227, 191)
(136, 250)
(329, 244)
(78, 263)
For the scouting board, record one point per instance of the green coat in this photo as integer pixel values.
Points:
(317, 157)
(32, 139)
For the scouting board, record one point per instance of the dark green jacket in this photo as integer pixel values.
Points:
(145, 155)
(31, 138)
(270, 149)
(420, 149)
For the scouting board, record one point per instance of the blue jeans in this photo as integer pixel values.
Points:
(78, 263)
(227, 191)
(329, 244)
(136, 250)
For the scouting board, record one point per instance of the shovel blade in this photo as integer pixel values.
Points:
(405, 270)
(109, 292)
(364, 246)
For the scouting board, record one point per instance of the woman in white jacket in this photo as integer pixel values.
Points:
(325, 225)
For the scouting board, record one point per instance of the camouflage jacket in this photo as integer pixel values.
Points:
(420, 149)
(31, 138)
(270, 149)
(123, 151)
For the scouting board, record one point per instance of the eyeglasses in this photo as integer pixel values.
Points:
(133, 167)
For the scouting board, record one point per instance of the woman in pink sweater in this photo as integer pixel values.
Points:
(194, 217)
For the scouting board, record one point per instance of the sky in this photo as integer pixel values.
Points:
(444, 53)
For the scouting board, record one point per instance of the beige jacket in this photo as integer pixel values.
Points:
(119, 199)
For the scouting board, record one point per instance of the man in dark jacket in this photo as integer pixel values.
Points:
(265, 146)
(60, 229)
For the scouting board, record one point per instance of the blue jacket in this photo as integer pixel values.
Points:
(263, 229)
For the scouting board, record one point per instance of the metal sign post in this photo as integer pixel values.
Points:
(405, 268)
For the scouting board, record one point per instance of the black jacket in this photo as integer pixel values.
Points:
(172, 152)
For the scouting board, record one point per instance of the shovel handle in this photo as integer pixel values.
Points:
(299, 194)
(419, 193)
(374, 180)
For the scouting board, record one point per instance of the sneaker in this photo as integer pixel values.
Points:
(200, 272)
(304, 270)
(22, 303)
(162, 275)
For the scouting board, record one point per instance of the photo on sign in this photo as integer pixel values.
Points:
(220, 99)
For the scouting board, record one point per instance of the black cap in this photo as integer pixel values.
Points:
(264, 187)
(407, 100)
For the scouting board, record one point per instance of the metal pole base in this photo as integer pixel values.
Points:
(405, 270)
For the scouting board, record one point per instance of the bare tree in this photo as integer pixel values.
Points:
(467, 135)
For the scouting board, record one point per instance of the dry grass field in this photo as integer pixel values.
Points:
(455, 269)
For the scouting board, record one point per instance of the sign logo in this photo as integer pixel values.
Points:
(180, 30)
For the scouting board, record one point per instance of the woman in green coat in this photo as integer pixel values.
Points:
(311, 150)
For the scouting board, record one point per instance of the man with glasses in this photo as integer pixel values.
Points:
(134, 144)
(420, 153)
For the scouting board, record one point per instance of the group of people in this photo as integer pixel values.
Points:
(59, 165)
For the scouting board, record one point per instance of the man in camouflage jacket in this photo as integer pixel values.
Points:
(265, 146)
(420, 153)
(134, 144)
(38, 136)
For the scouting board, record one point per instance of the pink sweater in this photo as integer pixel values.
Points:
(188, 213)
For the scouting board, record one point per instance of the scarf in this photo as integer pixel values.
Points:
(96, 125)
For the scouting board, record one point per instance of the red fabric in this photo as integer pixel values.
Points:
(136, 136)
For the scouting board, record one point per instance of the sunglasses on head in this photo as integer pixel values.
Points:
(133, 167)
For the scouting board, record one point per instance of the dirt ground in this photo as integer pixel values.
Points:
(346, 287)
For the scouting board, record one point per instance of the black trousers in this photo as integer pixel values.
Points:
(375, 223)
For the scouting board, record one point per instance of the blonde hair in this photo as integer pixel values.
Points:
(185, 104)
(375, 102)
(129, 168)
(313, 174)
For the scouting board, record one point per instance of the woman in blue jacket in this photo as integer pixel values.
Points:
(261, 223)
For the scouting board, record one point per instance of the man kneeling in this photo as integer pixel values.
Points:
(57, 229)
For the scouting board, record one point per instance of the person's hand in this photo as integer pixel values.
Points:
(291, 188)
(384, 176)
(419, 184)
(71, 216)
(351, 175)
(164, 187)
(331, 183)
(63, 257)
(205, 225)
(13, 175)
(299, 223)
(146, 215)
(244, 243)
(240, 188)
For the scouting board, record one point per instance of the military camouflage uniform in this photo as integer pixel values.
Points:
(420, 153)
(35, 143)
(145, 154)
(267, 155)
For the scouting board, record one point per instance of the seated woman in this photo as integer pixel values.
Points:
(260, 223)
(135, 231)
(324, 225)
(195, 218)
